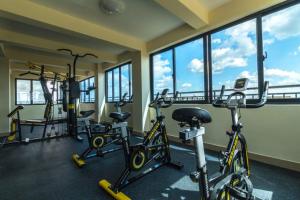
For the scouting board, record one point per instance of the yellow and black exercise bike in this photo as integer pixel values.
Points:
(154, 149)
(232, 181)
(103, 135)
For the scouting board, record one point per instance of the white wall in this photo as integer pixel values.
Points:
(272, 131)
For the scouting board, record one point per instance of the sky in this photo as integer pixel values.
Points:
(234, 55)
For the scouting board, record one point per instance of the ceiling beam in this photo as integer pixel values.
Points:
(190, 11)
(23, 55)
(233, 10)
(36, 14)
(35, 42)
(18, 67)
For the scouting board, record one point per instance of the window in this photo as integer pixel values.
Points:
(118, 82)
(87, 85)
(189, 61)
(180, 69)
(198, 68)
(234, 55)
(23, 92)
(30, 92)
(281, 42)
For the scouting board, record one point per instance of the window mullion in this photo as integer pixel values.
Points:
(260, 64)
(174, 71)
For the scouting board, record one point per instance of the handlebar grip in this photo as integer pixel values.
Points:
(88, 54)
(164, 92)
(222, 92)
(12, 113)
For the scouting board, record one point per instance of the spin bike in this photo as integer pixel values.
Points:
(232, 181)
(154, 149)
(102, 135)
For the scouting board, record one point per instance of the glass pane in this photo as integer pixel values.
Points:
(37, 93)
(234, 55)
(92, 96)
(162, 72)
(109, 86)
(23, 91)
(281, 41)
(116, 85)
(92, 82)
(190, 70)
(125, 80)
(82, 94)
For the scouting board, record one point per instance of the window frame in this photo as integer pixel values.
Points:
(119, 66)
(172, 48)
(208, 58)
(31, 92)
(84, 93)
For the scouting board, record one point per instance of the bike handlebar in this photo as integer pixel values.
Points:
(161, 101)
(78, 55)
(12, 113)
(219, 103)
(123, 101)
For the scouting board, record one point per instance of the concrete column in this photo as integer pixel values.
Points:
(4, 94)
(141, 91)
(100, 92)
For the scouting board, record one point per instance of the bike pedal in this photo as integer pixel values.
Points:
(195, 176)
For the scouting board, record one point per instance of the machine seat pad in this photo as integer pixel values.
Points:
(86, 113)
(120, 116)
(190, 115)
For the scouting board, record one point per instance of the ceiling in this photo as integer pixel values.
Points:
(80, 40)
(143, 19)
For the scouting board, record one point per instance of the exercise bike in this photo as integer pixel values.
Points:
(101, 136)
(154, 149)
(232, 181)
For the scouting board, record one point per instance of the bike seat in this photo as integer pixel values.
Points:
(120, 116)
(87, 113)
(191, 115)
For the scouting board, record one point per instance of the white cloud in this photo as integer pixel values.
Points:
(236, 48)
(299, 48)
(162, 77)
(216, 41)
(268, 41)
(186, 85)
(161, 67)
(283, 24)
(286, 77)
(196, 65)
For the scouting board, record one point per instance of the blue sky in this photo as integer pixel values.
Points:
(234, 55)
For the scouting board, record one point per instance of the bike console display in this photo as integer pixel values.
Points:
(241, 84)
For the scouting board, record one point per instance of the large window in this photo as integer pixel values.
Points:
(87, 87)
(234, 55)
(30, 92)
(262, 47)
(281, 42)
(118, 82)
(181, 69)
